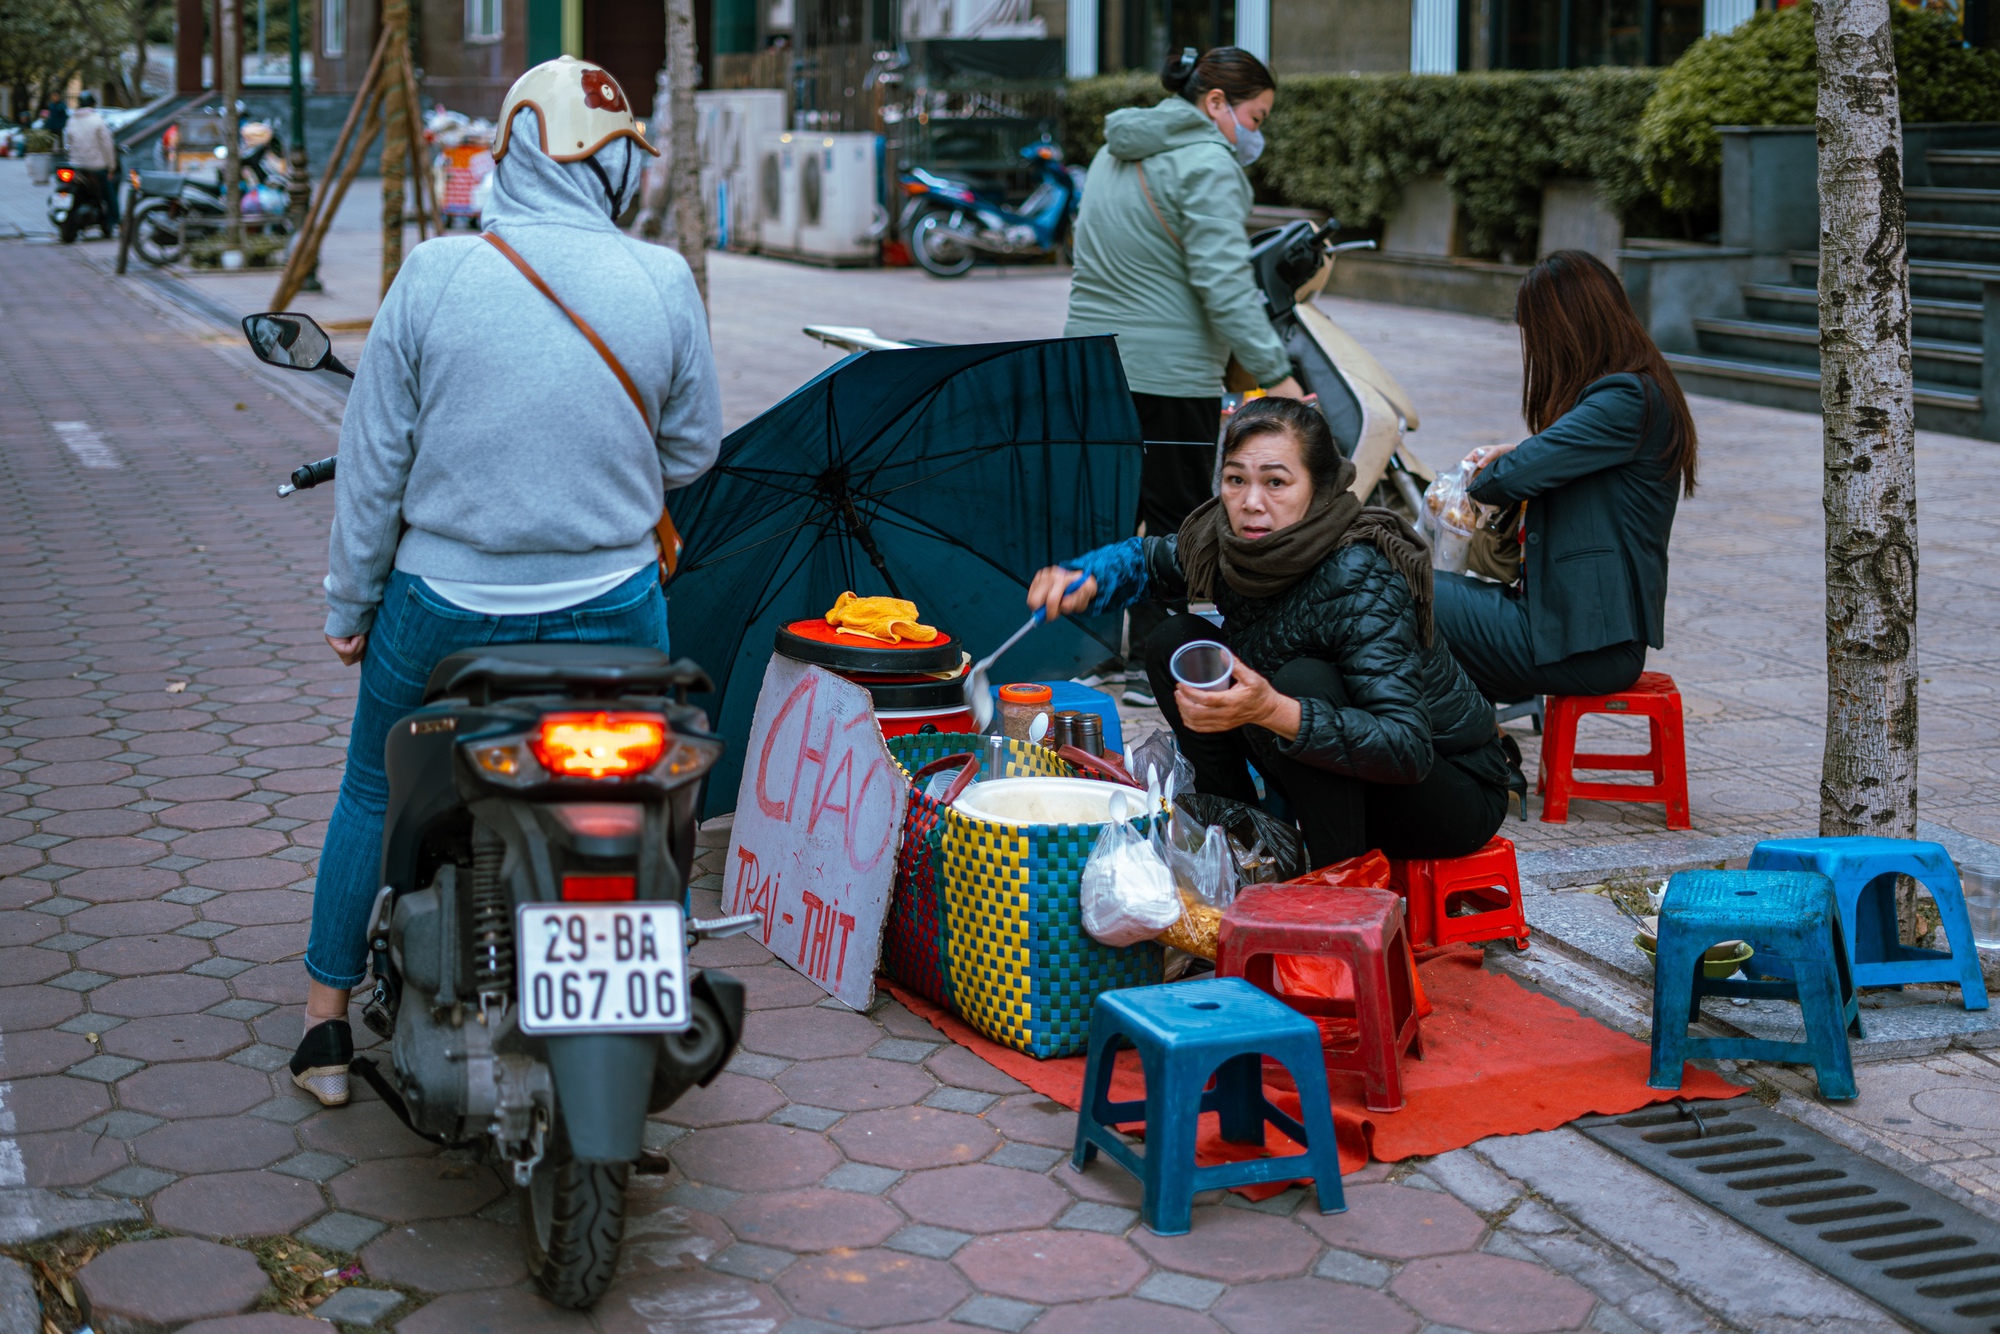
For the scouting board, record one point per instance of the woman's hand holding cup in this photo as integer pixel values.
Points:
(1046, 593)
(1248, 699)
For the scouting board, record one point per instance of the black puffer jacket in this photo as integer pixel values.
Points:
(1408, 703)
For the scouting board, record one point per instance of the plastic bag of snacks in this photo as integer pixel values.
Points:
(1452, 516)
(1127, 893)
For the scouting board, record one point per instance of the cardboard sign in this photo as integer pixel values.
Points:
(818, 820)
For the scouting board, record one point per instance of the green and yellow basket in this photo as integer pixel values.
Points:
(986, 919)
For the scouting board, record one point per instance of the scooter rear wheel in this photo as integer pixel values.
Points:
(155, 235)
(940, 254)
(572, 1222)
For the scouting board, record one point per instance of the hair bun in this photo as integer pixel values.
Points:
(1180, 69)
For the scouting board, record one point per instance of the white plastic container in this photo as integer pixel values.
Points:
(1044, 801)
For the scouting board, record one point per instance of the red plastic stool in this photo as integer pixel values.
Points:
(1488, 881)
(1363, 929)
(1654, 697)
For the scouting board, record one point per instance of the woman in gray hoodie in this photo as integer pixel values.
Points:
(496, 484)
(1163, 261)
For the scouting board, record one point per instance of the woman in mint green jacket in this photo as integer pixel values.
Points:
(1163, 261)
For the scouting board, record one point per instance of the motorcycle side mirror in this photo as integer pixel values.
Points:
(292, 341)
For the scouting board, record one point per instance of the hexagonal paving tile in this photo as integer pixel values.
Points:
(755, 1157)
(1034, 1119)
(682, 1299)
(1128, 1315)
(1049, 1266)
(809, 1034)
(908, 1138)
(450, 1255)
(406, 1189)
(1290, 1305)
(981, 1198)
(1233, 1246)
(1399, 1223)
(1491, 1294)
(855, 1083)
(730, 1099)
(871, 1289)
(194, 1088)
(363, 1130)
(180, 1037)
(812, 1220)
(238, 1204)
(216, 1144)
(162, 1283)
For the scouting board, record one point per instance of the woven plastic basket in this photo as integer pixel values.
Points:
(986, 919)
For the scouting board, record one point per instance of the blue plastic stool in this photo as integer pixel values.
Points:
(1859, 869)
(1790, 914)
(1185, 1032)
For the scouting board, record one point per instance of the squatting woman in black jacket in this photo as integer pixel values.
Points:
(1613, 451)
(1343, 696)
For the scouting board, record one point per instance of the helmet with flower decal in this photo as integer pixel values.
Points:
(580, 108)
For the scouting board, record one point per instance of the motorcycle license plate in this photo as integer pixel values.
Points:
(602, 968)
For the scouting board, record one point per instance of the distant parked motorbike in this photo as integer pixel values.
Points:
(171, 207)
(949, 225)
(76, 203)
(529, 945)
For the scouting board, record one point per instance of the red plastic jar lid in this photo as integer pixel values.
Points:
(1026, 693)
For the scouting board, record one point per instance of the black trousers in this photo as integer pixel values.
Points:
(1486, 628)
(1448, 814)
(1173, 480)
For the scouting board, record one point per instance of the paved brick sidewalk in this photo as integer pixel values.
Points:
(172, 735)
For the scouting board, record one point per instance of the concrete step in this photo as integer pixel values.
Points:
(1971, 168)
(1947, 321)
(1937, 204)
(1939, 408)
(1938, 279)
(1954, 242)
(1943, 364)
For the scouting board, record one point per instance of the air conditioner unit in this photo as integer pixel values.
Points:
(837, 179)
(730, 124)
(777, 212)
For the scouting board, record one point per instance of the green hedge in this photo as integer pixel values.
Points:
(1764, 73)
(1348, 143)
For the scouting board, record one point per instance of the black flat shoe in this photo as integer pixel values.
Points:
(320, 1064)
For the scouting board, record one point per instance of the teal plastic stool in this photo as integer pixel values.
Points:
(1861, 871)
(1185, 1032)
(1791, 915)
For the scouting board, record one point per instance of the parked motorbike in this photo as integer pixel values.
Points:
(77, 202)
(948, 224)
(529, 943)
(170, 207)
(1368, 411)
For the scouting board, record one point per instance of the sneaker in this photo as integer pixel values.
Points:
(320, 1064)
(1140, 695)
(1110, 672)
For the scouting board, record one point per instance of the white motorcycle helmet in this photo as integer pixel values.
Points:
(579, 106)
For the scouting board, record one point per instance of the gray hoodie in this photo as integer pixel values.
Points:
(482, 419)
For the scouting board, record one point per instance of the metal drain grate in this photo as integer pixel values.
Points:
(1929, 1260)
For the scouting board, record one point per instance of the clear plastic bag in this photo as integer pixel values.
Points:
(1451, 516)
(1128, 893)
(1158, 751)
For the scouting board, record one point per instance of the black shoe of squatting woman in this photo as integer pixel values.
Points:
(320, 1064)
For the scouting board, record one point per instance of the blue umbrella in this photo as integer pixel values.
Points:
(945, 475)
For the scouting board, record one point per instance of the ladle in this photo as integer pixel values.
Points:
(978, 694)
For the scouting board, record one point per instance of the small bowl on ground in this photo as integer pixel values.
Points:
(1717, 962)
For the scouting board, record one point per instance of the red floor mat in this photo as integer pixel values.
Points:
(1499, 1059)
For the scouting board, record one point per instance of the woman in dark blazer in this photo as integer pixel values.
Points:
(1613, 452)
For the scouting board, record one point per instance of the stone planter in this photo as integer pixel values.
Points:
(40, 167)
(1424, 222)
(1574, 218)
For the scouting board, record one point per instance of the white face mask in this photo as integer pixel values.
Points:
(1249, 143)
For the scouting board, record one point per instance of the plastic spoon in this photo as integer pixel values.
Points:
(1038, 729)
(978, 694)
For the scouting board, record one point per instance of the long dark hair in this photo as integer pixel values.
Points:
(1577, 325)
(1240, 75)
(1293, 417)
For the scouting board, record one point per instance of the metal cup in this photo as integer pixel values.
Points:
(1202, 665)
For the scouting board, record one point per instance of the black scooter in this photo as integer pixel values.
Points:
(76, 203)
(529, 944)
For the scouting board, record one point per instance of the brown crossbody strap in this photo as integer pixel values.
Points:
(670, 538)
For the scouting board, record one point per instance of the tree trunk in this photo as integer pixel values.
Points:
(395, 137)
(690, 223)
(228, 71)
(1868, 781)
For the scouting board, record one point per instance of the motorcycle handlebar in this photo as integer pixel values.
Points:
(309, 475)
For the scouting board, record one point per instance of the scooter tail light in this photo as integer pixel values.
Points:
(65, 174)
(600, 888)
(509, 761)
(599, 745)
(599, 820)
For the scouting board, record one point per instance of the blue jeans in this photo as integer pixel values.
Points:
(414, 630)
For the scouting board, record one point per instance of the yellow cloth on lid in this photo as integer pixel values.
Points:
(889, 620)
